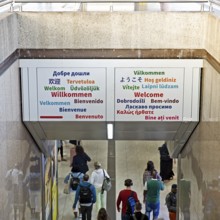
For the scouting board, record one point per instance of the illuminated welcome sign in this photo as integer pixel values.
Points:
(72, 94)
(149, 94)
(108, 90)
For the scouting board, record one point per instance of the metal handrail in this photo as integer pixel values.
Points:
(6, 2)
(13, 2)
(112, 1)
(215, 2)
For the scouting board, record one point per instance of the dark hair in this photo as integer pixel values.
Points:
(128, 182)
(150, 166)
(174, 186)
(138, 206)
(86, 177)
(79, 149)
(102, 214)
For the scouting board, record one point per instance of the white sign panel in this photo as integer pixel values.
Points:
(71, 94)
(149, 94)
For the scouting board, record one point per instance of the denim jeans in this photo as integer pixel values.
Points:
(155, 207)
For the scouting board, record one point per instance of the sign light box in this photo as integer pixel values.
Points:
(149, 94)
(111, 90)
(72, 94)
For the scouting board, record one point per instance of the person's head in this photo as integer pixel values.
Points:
(79, 149)
(86, 177)
(97, 165)
(174, 188)
(128, 183)
(75, 169)
(150, 165)
(102, 214)
(138, 207)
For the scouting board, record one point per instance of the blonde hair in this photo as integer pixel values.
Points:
(97, 164)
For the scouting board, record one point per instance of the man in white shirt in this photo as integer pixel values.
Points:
(96, 179)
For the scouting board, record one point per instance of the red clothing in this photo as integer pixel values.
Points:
(172, 215)
(123, 197)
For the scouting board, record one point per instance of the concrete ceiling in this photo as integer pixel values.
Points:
(98, 130)
(179, 132)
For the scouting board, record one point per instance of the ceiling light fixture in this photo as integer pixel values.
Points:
(110, 131)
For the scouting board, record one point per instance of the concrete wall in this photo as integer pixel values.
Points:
(212, 36)
(17, 149)
(199, 172)
(94, 30)
(20, 157)
(8, 35)
(109, 30)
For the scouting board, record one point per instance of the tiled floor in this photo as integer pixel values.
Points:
(131, 159)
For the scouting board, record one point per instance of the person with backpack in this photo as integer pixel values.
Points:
(152, 190)
(137, 213)
(72, 180)
(171, 202)
(86, 195)
(128, 198)
(97, 178)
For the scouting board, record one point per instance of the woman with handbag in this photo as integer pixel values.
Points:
(97, 178)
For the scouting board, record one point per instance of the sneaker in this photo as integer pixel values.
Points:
(63, 159)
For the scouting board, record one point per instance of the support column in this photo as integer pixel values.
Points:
(111, 200)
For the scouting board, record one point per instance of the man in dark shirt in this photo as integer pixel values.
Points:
(137, 213)
(171, 202)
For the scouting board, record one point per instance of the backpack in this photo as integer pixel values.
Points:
(170, 199)
(85, 194)
(130, 204)
(74, 181)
